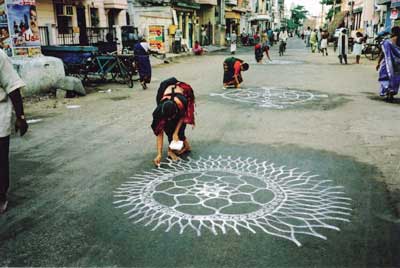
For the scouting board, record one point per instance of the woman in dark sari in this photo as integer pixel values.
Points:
(389, 65)
(142, 61)
(175, 109)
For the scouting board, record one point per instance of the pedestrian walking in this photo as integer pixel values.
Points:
(357, 48)
(307, 34)
(275, 34)
(204, 38)
(142, 61)
(343, 46)
(233, 42)
(319, 36)
(270, 34)
(324, 43)
(313, 40)
(175, 109)
(233, 68)
(389, 65)
(10, 97)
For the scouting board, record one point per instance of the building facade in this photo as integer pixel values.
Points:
(69, 22)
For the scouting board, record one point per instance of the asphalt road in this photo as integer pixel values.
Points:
(299, 168)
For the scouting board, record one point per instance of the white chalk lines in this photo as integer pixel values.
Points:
(270, 97)
(219, 194)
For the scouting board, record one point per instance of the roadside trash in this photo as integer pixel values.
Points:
(33, 121)
(176, 145)
(105, 91)
(73, 106)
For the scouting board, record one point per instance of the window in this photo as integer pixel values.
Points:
(64, 21)
(94, 17)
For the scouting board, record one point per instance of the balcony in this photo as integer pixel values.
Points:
(206, 2)
(154, 2)
(231, 2)
(115, 4)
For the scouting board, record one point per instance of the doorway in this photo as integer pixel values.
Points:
(81, 16)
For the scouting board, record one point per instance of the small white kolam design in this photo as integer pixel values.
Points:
(274, 98)
(224, 193)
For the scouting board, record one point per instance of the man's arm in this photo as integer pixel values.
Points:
(20, 123)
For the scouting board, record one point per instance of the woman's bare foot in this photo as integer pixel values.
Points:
(172, 155)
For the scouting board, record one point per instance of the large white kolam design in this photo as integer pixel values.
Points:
(270, 97)
(219, 194)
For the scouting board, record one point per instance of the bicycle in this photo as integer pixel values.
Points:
(374, 50)
(120, 67)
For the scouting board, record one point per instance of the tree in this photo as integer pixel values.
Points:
(299, 13)
(334, 9)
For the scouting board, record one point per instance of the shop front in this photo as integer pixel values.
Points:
(232, 21)
(187, 17)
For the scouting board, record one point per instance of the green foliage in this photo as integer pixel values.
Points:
(299, 13)
(330, 13)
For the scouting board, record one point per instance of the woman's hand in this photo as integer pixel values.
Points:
(175, 137)
(157, 160)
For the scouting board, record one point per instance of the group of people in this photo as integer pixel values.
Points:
(343, 46)
(175, 100)
(316, 40)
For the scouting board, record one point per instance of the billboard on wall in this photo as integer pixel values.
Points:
(156, 37)
(19, 29)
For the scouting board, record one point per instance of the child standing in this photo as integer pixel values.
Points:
(357, 49)
(324, 43)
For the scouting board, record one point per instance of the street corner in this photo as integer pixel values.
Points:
(279, 98)
(256, 196)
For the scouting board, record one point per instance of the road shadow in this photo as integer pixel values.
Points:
(372, 96)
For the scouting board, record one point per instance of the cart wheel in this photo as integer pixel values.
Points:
(373, 53)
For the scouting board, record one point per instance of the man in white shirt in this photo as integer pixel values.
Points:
(10, 97)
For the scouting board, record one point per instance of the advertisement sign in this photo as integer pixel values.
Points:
(156, 37)
(19, 29)
(5, 40)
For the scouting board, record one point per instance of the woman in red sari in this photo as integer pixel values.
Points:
(197, 49)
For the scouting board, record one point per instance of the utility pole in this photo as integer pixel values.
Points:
(334, 10)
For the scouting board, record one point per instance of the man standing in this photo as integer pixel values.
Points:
(343, 46)
(204, 38)
(10, 96)
(307, 34)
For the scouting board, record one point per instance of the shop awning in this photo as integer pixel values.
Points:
(232, 15)
(189, 5)
(260, 17)
(206, 2)
(238, 9)
(395, 3)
